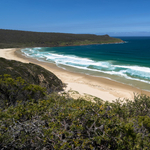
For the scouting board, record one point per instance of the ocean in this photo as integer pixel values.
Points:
(128, 63)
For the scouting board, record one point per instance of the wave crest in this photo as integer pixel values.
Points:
(129, 72)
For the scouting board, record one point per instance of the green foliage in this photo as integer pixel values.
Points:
(64, 123)
(32, 74)
(144, 121)
(13, 90)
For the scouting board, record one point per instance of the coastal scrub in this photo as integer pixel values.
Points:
(57, 122)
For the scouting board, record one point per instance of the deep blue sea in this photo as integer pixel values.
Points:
(127, 62)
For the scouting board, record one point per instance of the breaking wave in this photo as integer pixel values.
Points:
(137, 73)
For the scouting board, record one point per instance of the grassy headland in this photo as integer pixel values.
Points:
(18, 39)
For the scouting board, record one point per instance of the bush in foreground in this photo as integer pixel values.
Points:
(64, 123)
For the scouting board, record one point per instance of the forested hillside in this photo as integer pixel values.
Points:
(13, 38)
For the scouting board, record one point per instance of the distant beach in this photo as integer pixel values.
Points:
(100, 87)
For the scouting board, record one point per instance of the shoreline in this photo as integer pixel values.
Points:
(96, 86)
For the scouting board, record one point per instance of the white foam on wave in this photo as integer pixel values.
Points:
(137, 71)
(137, 68)
(69, 59)
(129, 72)
(37, 48)
(120, 73)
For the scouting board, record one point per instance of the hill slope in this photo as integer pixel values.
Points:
(31, 73)
(13, 38)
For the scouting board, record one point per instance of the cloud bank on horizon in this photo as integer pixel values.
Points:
(116, 18)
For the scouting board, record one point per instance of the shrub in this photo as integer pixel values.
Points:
(64, 123)
(13, 90)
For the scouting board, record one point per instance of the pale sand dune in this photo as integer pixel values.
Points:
(100, 87)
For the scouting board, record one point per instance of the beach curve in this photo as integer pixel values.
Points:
(105, 89)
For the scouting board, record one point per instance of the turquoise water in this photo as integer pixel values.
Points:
(127, 62)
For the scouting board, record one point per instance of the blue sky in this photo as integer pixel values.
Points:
(113, 17)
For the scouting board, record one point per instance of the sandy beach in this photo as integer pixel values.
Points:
(105, 89)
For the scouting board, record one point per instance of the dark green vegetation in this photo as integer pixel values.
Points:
(32, 118)
(31, 73)
(57, 122)
(12, 90)
(13, 38)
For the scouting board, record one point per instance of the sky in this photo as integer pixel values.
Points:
(113, 17)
